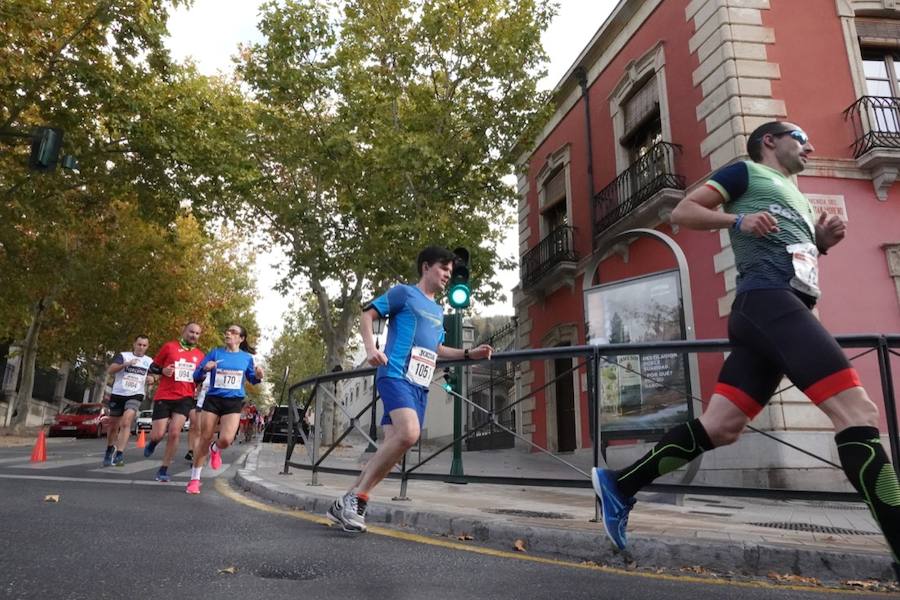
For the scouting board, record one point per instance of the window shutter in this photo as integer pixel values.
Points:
(641, 105)
(878, 32)
(555, 188)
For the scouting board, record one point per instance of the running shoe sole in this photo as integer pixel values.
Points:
(348, 527)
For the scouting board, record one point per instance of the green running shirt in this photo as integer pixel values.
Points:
(765, 263)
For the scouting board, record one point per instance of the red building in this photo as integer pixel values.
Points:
(663, 95)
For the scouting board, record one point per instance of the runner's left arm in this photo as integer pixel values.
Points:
(201, 370)
(252, 373)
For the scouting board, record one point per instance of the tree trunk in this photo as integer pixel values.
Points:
(29, 357)
(336, 328)
(62, 379)
(11, 380)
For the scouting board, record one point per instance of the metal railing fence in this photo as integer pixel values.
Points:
(587, 358)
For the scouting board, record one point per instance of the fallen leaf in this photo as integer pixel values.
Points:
(51, 498)
(465, 537)
(866, 585)
(228, 570)
(519, 545)
(794, 579)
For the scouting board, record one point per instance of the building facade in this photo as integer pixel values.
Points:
(663, 95)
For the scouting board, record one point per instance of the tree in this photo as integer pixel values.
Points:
(146, 132)
(387, 129)
(299, 347)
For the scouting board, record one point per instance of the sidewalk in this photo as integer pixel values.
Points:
(831, 542)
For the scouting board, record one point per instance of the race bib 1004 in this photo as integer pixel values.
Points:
(228, 379)
(421, 366)
(132, 382)
(184, 370)
(805, 258)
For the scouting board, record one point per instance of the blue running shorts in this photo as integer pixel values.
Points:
(400, 393)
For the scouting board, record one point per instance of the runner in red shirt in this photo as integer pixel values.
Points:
(174, 399)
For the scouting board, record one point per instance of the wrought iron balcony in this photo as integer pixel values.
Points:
(650, 174)
(876, 123)
(556, 248)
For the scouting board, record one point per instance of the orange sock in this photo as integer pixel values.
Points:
(363, 497)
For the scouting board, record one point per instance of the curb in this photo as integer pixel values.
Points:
(745, 559)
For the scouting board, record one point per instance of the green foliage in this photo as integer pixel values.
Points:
(109, 251)
(299, 347)
(387, 126)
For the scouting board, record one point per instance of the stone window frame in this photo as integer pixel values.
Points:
(651, 64)
(556, 160)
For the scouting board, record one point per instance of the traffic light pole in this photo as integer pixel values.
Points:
(456, 466)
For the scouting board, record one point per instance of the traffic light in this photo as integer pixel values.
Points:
(459, 294)
(45, 145)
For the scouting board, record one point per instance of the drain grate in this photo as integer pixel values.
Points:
(814, 528)
(527, 513)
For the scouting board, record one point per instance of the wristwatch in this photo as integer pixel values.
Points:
(466, 353)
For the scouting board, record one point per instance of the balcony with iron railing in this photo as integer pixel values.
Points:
(551, 261)
(876, 139)
(645, 190)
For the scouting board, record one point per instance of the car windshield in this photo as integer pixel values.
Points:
(146, 414)
(81, 410)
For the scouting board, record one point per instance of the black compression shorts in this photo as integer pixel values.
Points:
(775, 333)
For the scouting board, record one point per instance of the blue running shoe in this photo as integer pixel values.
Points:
(149, 448)
(119, 459)
(614, 506)
(108, 456)
(163, 476)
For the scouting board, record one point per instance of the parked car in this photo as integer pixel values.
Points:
(279, 425)
(144, 422)
(81, 420)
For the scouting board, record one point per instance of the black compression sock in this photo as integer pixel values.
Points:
(869, 470)
(679, 446)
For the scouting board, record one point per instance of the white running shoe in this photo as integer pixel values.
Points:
(348, 511)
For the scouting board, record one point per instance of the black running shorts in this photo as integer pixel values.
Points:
(774, 333)
(164, 409)
(222, 406)
(119, 404)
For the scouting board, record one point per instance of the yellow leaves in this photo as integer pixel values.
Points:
(519, 545)
(793, 579)
(228, 571)
(51, 498)
(465, 537)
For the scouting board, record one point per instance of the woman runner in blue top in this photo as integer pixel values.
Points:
(228, 369)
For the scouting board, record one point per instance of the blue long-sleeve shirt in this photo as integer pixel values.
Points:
(228, 376)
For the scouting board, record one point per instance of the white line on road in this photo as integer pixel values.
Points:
(55, 464)
(82, 479)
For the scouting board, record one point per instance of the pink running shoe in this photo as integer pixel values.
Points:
(193, 486)
(215, 458)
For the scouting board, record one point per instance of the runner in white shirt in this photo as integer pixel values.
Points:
(130, 371)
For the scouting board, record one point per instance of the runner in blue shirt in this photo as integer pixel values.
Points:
(228, 369)
(405, 371)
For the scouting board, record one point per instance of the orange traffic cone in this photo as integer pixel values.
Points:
(142, 439)
(39, 454)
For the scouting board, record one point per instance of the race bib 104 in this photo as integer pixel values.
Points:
(228, 379)
(421, 366)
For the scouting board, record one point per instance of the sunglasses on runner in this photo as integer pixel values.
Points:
(797, 134)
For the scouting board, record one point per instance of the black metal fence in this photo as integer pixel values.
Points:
(587, 359)
(876, 123)
(556, 247)
(652, 172)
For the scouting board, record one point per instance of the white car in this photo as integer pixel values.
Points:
(144, 422)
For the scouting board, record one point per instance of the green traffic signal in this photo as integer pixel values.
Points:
(460, 295)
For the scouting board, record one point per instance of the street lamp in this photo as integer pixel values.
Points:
(377, 328)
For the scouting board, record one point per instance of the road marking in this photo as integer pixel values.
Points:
(82, 479)
(14, 460)
(226, 490)
(56, 464)
(129, 468)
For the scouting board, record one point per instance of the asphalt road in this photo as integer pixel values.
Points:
(116, 533)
